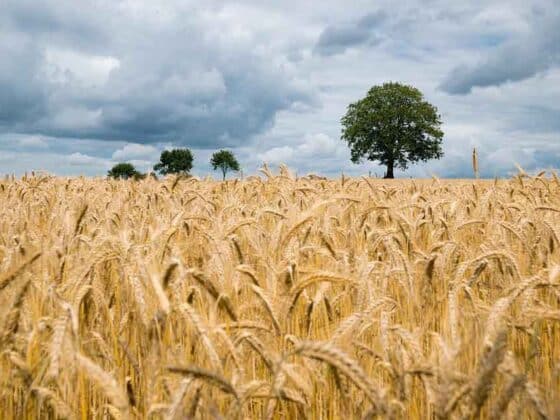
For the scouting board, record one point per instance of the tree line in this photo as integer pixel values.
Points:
(177, 161)
(392, 125)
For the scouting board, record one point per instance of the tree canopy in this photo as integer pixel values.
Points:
(225, 161)
(393, 125)
(176, 161)
(124, 171)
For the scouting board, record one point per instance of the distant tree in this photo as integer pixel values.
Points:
(225, 161)
(124, 171)
(176, 161)
(394, 125)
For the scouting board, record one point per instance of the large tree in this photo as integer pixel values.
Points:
(225, 161)
(393, 125)
(176, 161)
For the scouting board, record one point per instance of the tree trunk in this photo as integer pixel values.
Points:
(224, 174)
(389, 174)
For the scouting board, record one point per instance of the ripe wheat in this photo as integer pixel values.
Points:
(280, 297)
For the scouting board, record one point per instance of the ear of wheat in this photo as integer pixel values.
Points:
(475, 162)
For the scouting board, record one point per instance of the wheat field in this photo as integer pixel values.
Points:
(280, 297)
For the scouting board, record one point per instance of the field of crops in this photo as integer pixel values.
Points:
(280, 297)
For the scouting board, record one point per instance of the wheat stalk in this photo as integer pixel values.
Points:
(208, 376)
(329, 354)
(11, 323)
(9, 276)
(475, 162)
(106, 382)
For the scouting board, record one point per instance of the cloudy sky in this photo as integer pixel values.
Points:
(86, 84)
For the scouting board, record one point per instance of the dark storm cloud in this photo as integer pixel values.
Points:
(66, 24)
(22, 97)
(335, 39)
(114, 75)
(516, 60)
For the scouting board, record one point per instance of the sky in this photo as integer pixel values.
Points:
(87, 84)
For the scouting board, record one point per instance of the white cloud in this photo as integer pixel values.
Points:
(136, 151)
(80, 159)
(282, 154)
(316, 152)
(67, 66)
(319, 145)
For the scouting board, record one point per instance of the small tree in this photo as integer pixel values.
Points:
(225, 160)
(124, 171)
(394, 125)
(176, 161)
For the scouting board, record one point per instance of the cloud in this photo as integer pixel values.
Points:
(23, 98)
(63, 67)
(336, 39)
(19, 162)
(319, 145)
(136, 73)
(32, 142)
(518, 59)
(277, 155)
(315, 152)
(80, 159)
(133, 151)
